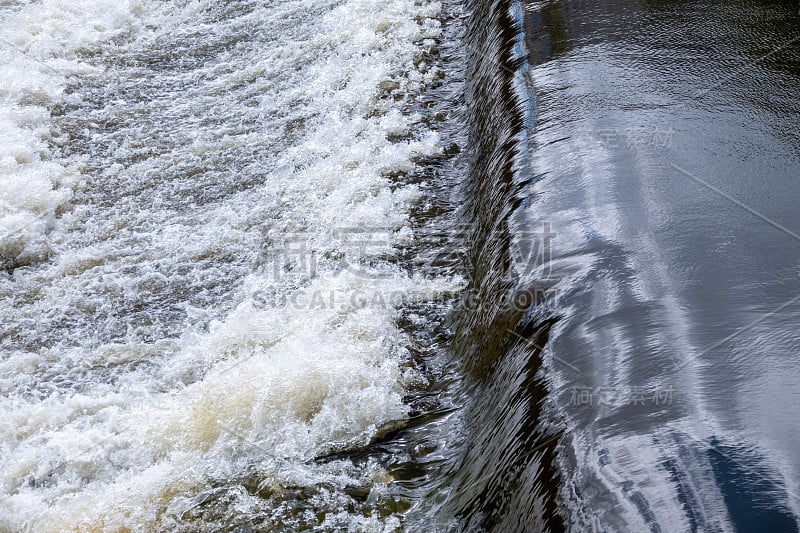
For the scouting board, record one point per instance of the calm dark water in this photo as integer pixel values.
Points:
(665, 167)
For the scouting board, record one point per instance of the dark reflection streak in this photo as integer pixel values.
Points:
(713, 446)
(547, 33)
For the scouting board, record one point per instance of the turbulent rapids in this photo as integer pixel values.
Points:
(171, 173)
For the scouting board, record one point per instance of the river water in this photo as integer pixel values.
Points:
(408, 265)
(665, 161)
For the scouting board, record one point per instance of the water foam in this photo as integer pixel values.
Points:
(144, 370)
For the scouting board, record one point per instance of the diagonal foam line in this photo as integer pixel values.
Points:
(544, 443)
(251, 356)
(765, 219)
(741, 330)
(36, 218)
(92, 447)
(702, 93)
(737, 202)
(541, 349)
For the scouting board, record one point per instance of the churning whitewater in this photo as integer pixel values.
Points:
(178, 182)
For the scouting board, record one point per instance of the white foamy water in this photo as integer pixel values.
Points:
(165, 170)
